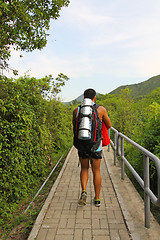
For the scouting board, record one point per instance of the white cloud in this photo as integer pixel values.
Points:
(87, 17)
(106, 39)
(43, 63)
(84, 14)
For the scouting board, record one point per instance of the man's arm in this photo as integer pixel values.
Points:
(102, 112)
(106, 120)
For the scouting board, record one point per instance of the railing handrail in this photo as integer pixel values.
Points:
(143, 150)
(119, 149)
(151, 156)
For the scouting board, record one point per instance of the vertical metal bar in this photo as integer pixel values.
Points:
(115, 147)
(118, 145)
(122, 155)
(109, 133)
(146, 197)
(158, 186)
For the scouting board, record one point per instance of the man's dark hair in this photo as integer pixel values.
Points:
(89, 93)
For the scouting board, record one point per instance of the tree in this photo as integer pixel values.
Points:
(23, 24)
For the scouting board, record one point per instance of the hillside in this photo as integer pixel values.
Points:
(138, 90)
(142, 88)
(77, 100)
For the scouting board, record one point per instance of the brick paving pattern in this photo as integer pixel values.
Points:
(66, 220)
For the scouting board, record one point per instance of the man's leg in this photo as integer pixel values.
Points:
(84, 179)
(84, 172)
(96, 176)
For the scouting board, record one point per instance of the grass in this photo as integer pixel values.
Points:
(20, 225)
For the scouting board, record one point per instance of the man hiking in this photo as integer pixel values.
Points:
(94, 154)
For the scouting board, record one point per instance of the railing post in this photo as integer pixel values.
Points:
(109, 133)
(146, 197)
(119, 145)
(122, 155)
(115, 147)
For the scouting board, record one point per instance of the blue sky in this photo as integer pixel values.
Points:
(99, 44)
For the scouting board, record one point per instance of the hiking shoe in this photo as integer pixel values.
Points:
(83, 198)
(97, 202)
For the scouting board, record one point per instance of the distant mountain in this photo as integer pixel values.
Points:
(140, 89)
(77, 100)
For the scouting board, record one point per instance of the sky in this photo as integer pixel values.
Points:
(100, 44)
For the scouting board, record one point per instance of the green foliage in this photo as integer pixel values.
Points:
(140, 121)
(24, 24)
(35, 128)
(119, 109)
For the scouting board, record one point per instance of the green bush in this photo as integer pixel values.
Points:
(35, 128)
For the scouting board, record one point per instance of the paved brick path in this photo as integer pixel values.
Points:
(66, 220)
(61, 218)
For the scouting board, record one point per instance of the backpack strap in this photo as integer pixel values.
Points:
(98, 122)
(95, 106)
(78, 110)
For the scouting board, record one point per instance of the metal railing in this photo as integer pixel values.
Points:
(114, 143)
(118, 147)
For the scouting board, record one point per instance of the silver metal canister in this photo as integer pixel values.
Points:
(86, 110)
(84, 134)
(87, 101)
(85, 125)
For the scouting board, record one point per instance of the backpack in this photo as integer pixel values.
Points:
(93, 141)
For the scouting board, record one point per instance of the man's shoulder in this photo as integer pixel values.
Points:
(101, 111)
(101, 108)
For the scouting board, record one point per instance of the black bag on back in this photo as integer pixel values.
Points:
(93, 143)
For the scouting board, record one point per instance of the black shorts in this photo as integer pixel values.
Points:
(96, 155)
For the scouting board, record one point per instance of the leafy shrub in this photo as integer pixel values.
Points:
(34, 127)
